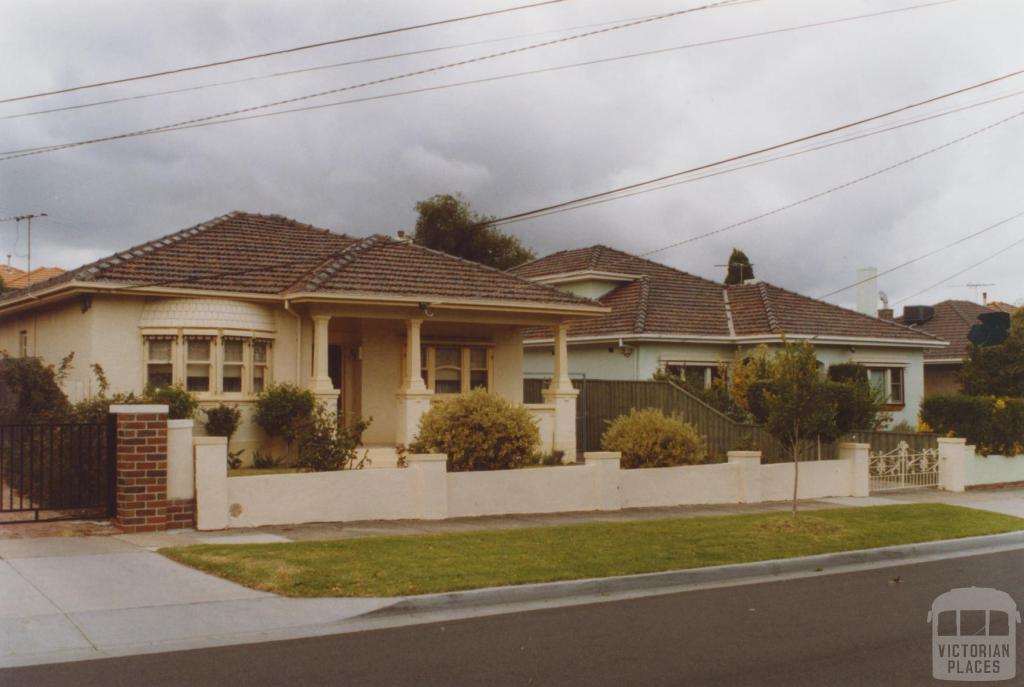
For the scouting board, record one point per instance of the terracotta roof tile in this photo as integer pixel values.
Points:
(664, 300)
(952, 321)
(270, 254)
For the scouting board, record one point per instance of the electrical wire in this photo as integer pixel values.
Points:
(309, 46)
(24, 152)
(923, 256)
(390, 56)
(966, 269)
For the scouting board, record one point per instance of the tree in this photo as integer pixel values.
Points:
(997, 370)
(447, 223)
(739, 269)
(795, 403)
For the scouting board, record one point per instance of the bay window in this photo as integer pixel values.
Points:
(207, 364)
(159, 362)
(260, 365)
(198, 361)
(233, 365)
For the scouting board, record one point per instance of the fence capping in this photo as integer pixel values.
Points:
(209, 441)
(427, 458)
(592, 456)
(147, 409)
(180, 424)
(854, 444)
(952, 440)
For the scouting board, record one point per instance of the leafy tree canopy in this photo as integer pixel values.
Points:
(447, 223)
(739, 269)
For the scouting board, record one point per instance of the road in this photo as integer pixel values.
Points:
(864, 628)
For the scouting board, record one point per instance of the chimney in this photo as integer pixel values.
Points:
(984, 297)
(403, 237)
(885, 314)
(867, 291)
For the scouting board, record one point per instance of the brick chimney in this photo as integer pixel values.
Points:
(885, 314)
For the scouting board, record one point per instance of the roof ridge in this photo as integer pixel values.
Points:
(640, 325)
(963, 316)
(334, 263)
(595, 256)
(773, 322)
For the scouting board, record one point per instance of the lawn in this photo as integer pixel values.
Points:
(421, 564)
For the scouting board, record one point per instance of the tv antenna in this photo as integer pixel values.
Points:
(28, 219)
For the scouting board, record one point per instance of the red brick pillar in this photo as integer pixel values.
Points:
(141, 445)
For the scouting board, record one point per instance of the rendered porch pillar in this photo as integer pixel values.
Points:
(562, 396)
(141, 475)
(413, 397)
(748, 468)
(320, 383)
(952, 463)
(859, 457)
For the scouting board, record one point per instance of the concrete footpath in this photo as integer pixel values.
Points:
(67, 598)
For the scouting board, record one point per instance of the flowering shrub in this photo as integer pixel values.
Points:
(650, 439)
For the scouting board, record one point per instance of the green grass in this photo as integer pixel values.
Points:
(421, 564)
(255, 472)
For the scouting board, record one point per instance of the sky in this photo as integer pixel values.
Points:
(526, 142)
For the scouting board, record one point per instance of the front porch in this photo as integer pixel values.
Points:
(389, 365)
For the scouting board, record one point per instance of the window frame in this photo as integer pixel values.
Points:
(710, 369)
(216, 363)
(428, 365)
(894, 378)
(149, 360)
(241, 364)
(266, 365)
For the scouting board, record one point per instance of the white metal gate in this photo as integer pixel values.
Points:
(901, 469)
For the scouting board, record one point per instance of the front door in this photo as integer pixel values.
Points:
(343, 368)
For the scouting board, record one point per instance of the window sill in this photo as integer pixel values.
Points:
(894, 406)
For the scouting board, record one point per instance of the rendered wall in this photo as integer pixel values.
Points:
(818, 479)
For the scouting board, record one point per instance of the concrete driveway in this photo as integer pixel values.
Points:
(65, 599)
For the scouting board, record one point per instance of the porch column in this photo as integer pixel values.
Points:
(562, 396)
(413, 396)
(320, 382)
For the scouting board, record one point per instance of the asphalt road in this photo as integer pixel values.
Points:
(858, 629)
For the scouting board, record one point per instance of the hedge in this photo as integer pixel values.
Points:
(992, 424)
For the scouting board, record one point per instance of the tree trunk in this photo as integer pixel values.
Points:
(796, 466)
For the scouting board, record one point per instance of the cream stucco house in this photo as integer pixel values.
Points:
(376, 327)
(662, 318)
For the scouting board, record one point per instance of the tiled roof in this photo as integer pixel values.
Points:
(1004, 307)
(667, 301)
(9, 272)
(269, 254)
(40, 274)
(952, 320)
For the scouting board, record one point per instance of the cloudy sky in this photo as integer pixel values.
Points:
(527, 142)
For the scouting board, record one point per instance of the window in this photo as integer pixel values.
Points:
(451, 369)
(260, 365)
(695, 375)
(233, 366)
(159, 363)
(23, 343)
(198, 360)
(890, 381)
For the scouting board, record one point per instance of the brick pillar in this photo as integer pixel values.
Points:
(141, 445)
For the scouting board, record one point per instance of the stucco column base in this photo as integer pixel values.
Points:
(412, 405)
(952, 463)
(327, 398)
(564, 401)
(748, 469)
(211, 482)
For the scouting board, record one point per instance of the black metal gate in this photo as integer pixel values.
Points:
(56, 471)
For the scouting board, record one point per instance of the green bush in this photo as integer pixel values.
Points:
(994, 425)
(222, 421)
(282, 409)
(181, 404)
(32, 390)
(479, 431)
(326, 445)
(650, 439)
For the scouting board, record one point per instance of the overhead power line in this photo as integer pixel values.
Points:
(923, 256)
(970, 267)
(378, 58)
(317, 68)
(284, 51)
(24, 152)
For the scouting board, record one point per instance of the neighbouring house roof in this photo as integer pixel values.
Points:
(952, 321)
(9, 272)
(273, 255)
(1003, 307)
(661, 300)
(36, 276)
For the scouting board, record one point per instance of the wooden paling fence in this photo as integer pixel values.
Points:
(601, 401)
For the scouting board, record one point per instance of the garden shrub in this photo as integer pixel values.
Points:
(222, 421)
(650, 439)
(479, 431)
(326, 445)
(181, 404)
(282, 409)
(31, 391)
(994, 425)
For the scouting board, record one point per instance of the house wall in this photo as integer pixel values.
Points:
(607, 361)
(942, 379)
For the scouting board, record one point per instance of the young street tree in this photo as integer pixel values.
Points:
(739, 269)
(447, 223)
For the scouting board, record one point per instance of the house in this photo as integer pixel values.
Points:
(951, 321)
(664, 319)
(377, 327)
